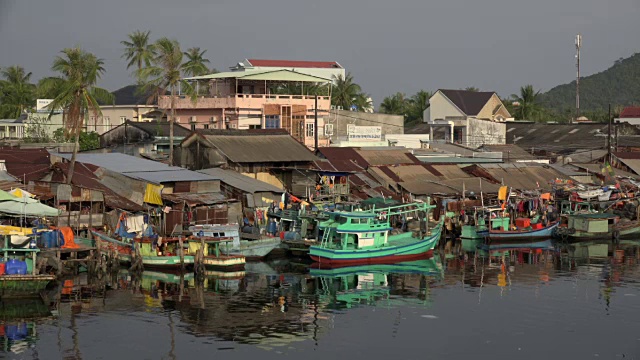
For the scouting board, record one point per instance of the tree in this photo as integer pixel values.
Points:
(472, 88)
(196, 64)
(17, 93)
(527, 105)
(345, 91)
(165, 73)
(138, 51)
(417, 105)
(395, 104)
(79, 72)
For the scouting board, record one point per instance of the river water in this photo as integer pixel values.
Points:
(572, 302)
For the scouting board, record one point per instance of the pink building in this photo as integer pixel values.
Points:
(257, 99)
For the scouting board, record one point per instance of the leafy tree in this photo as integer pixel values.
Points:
(395, 104)
(527, 104)
(17, 93)
(89, 140)
(472, 88)
(165, 74)
(37, 130)
(138, 51)
(196, 64)
(79, 73)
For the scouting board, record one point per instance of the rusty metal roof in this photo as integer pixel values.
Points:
(387, 156)
(26, 164)
(344, 158)
(260, 149)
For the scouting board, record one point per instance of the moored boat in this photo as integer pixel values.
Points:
(529, 233)
(601, 226)
(256, 248)
(212, 256)
(24, 282)
(367, 237)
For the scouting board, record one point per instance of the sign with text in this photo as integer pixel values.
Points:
(42, 106)
(364, 133)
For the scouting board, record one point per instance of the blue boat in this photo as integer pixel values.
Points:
(494, 235)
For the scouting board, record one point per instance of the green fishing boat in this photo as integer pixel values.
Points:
(601, 226)
(29, 284)
(484, 219)
(368, 237)
(213, 258)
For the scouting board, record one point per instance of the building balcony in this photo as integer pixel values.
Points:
(244, 101)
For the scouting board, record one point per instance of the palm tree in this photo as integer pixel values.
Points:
(79, 72)
(395, 104)
(196, 64)
(165, 74)
(345, 91)
(418, 104)
(363, 102)
(17, 93)
(527, 105)
(138, 51)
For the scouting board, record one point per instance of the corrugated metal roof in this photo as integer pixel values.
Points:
(523, 176)
(510, 152)
(631, 163)
(255, 149)
(597, 169)
(387, 156)
(295, 63)
(556, 137)
(139, 168)
(450, 186)
(239, 181)
(344, 158)
(26, 164)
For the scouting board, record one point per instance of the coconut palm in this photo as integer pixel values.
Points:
(527, 106)
(395, 104)
(345, 91)
(165, 74)
(138, 51)
(418, 104)
(79, 73)
(17, 93)
(196, 64)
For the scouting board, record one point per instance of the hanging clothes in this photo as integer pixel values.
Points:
(135, 224)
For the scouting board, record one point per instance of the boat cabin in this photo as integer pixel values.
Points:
(356, 230)
(571, 207)
(592, 223)
(213, 236)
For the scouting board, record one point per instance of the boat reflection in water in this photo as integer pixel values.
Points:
(18, 321)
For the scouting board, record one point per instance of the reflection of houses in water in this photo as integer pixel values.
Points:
(18, 330)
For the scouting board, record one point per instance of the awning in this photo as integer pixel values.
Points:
(12, 205)
(262, 75)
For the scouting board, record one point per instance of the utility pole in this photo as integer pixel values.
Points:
(578, 46)
(315, 125)
(615, 125)
(609, 138)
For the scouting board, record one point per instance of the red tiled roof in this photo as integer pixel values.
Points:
(295, 64)
(26, 164)
(630, 112)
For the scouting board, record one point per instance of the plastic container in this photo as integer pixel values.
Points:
(17, 332)
(16, 267)
(2, 266)
(523, 222)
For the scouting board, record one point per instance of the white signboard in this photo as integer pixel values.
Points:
(41, 106)
(364, 133)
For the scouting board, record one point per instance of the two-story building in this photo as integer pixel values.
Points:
(257, 99)
(470, 118)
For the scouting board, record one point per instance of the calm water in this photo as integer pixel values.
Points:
(580, 302)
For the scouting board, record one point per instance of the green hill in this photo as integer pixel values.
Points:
(618, 85)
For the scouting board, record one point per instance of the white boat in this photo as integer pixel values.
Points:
(605, 196)
(590, 194)
(253, 249)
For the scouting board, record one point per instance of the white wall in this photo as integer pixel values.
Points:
(440, 107)
(631, 121)
(409, 141)
(485, 132)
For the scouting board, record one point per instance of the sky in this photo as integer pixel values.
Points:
(388, 46)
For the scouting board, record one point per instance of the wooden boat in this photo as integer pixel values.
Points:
(151, 258)
(529, 233)
(213, 258)
(363, 237)
(601, 226)
(256, 248)
(27, 285)
(484, 218)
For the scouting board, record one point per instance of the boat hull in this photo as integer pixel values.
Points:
(224, 263)
(420, 249)
(539, 234)
(159, 262)
(252, 249)
(23, 286)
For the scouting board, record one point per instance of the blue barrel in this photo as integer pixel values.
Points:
(16, 267)
(17, 332)
(46, 239)
(292, 236)
(273, 227)
(59, 238)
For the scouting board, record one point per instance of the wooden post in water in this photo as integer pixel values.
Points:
(181, 252)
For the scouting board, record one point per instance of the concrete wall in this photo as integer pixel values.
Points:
(480, 132)
(409, 141)
(391, 124)
(113, 116)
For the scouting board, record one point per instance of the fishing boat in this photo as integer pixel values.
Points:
(27, 284)
(484, 218)
(603, 226)
(256, 248)
(367, 237)
(213, 258)
(532, 232)
(152, 256)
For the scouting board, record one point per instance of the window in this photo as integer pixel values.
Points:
(212, 119)
(193, 119)
(328, 129)
(272, 121)
(123, 119)
(310, 130)
(206, 126)
(254, 127)
(193, 127)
